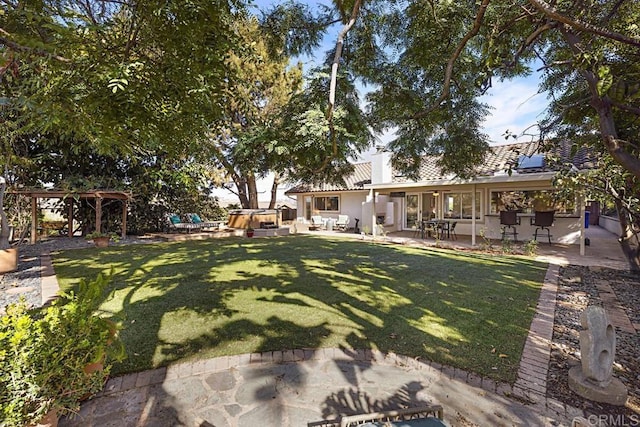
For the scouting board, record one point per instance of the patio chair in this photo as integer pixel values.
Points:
(195, 219)
(316, 222)
(343, 222)
(431, 416)
(416, 230)
(542, 220)
(176, 224)
(508, 221)
(449, 228)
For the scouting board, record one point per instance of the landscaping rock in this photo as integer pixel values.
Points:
(576, 290)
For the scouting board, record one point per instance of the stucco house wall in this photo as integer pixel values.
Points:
(350, 204)
(394, 193)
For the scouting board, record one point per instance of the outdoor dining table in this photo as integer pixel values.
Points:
(443, 224)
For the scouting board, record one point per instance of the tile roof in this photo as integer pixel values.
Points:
(501, 157)
(498, 159)
(356, 181)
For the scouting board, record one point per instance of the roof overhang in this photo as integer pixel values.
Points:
(497, 179)
(337, 190)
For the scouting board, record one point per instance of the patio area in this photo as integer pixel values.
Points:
(603, 250)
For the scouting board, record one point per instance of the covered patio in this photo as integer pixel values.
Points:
(604, 248)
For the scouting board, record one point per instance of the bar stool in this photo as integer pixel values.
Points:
(542, 220)
(508, 221)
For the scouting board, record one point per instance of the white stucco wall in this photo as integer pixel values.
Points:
(564, 230)
(610, 223)
(350, 204)
(381, 171)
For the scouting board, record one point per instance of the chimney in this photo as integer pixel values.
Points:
(381, 166)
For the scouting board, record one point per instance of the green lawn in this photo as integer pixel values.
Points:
(201, 299)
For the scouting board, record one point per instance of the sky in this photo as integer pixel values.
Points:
(516, 106)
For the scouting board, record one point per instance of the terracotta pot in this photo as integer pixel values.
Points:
(101, 242)
(49, 420)
(89, 369)
(93, 367)
(8, 260)
(250, 233)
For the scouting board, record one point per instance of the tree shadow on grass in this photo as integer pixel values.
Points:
(187, 299)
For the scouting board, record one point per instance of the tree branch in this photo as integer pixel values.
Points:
(626, 107)
(603, 107)
(530, 40)
(333, 83)
(614, 10)
(19, 48)
(555, 64)
(449, 71)
(554, 14)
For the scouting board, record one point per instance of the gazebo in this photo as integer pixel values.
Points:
(68, 197)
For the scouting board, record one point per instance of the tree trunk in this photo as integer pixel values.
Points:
(631, 251)
(609, 135)
(241, 185)
(252, 189)
(274, 191)
(4, 224)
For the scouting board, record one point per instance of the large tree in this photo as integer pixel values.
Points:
(135, 81)
(318, 139)
(120, 74)
(262, 86)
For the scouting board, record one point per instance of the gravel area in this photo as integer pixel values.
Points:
(25, 281)
(576, 291)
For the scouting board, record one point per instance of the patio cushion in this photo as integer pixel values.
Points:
(175, 219)
(195, 218)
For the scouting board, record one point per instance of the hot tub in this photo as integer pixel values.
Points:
(242, 218)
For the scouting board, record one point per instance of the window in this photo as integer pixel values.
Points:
(460, 205)
(530, 201)
(327, 203)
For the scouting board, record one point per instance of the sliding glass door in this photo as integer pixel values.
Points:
(412, 211)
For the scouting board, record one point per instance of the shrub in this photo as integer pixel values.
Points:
(531, 247)
(44, 352)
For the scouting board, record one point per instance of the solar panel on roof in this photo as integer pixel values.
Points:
(530, 162)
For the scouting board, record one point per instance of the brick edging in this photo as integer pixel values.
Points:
(531, 383)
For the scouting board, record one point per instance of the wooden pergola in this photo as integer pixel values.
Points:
(68, 197)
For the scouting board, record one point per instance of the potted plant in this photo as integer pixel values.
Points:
(8, 255)
(101, 240)
(45, 353)
(250, 231)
